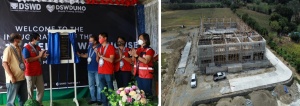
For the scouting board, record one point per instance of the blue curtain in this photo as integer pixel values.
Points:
(53, 48)
(140, 19)
(72, 37)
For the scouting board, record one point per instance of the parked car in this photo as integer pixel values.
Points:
(219, 76)
(193, 81)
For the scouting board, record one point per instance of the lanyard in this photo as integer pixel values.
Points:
(104, 49)
(91, 54)
(124, 49)
(33, 48)
(16, 53)
(35, 51)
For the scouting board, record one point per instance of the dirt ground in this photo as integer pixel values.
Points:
(262, 98)
(236, 101)
(173, 58)
(281, 95)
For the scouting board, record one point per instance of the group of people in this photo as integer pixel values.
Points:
(105, 62)
(23, 68)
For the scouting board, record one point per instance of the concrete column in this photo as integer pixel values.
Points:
(226, 50)
(240, 52)
(212, 54)
(216, 22)
(230, 23)
(252, 52)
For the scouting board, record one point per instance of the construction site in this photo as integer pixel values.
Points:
(224, 45)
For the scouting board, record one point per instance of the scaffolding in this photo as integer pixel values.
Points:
(224, 42)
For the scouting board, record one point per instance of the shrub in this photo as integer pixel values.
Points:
(295, 37)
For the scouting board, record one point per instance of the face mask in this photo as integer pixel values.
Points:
(91, 44)
(101, 40)
(37, 42)
(20, 43)
(120, 44)
(140, 42)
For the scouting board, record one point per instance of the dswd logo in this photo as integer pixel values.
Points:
(50, 8)
(25, 7)
(14, 5)
(66, 8)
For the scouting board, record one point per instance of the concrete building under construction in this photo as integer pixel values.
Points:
(225, 45)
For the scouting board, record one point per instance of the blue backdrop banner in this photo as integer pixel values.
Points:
(25, 18)
(140, 19)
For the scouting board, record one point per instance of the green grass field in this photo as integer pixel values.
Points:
(262, 19)
(192, 17)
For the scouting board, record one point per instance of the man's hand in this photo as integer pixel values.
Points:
(45, 55)
(99, 55)
(41, 53)
(13, 79)
(95, 50)
(78, 53)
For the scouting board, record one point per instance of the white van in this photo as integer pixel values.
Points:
(193, 81)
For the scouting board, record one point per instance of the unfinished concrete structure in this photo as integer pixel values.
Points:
(224, 46)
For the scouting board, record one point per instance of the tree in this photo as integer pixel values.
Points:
(292, 26)
(275, 16)
(295, 37)
(283, 22)
(275, 26)
(245, 17)
(285, 29)
(188, 1)
(283, 1)
(269, 1)
(284, 11)
(295, 6)
(264, 31)
(226, 2)
(175, 1)
(257, 2)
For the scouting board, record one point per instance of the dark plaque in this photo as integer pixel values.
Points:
(65, 47)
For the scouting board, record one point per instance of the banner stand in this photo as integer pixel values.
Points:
(72, 60)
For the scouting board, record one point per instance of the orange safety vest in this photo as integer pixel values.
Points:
(33, 68)
(144, 70)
